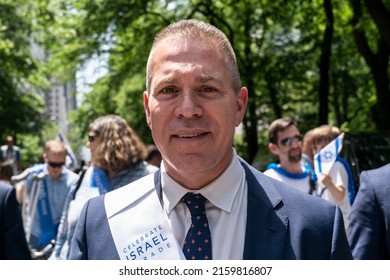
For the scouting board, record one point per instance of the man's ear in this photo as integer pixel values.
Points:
(273, 148)
(242, 100)
(146, 107)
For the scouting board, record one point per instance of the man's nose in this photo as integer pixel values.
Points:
(189, 105)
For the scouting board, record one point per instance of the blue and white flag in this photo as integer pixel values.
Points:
(70, 157)
(324, 159)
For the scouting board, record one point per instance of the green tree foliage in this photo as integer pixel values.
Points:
(320, 61)
(20, 109)
(120, 32)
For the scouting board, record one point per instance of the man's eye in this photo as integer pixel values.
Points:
(207, 89)
(169, 90)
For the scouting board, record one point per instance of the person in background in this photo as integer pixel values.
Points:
(154, 156)
(333, 186)
(285, 141)
(205, 202)
(46, 189)
(11, 153)
(117, 158)
(6, 172)
(13, 244)
(6, 176)
(369, 221)
(307, 149)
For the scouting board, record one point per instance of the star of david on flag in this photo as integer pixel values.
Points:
(324, 159)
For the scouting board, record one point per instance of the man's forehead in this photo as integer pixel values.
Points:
(292, 129)
(56, 155)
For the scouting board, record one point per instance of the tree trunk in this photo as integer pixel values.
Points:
(378, 64)
(250, 119)
(381, 17)
(381, 112)
(325, 64)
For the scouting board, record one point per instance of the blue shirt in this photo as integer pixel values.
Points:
(56, 191)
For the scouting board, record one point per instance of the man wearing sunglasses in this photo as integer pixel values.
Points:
(46, 189)
(285, 141)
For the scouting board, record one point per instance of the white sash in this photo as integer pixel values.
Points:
(138, 223)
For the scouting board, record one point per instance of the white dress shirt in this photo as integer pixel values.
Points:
(226, 210)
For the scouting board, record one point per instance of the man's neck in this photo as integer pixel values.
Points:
(292, 167)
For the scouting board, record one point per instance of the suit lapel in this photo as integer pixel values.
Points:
(266, 227)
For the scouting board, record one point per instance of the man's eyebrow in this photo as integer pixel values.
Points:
(206, 78)
(168, 80)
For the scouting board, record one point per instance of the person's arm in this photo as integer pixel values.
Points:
(367, 232)
(337, 191)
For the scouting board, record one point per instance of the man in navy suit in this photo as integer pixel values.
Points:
(369, 230)
(193, 102)
(13, 244)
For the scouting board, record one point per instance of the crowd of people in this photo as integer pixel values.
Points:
(190, 196)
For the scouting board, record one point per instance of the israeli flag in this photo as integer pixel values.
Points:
(324, 159)
(71, 160)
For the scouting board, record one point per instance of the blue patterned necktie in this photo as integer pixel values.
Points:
(197, 245)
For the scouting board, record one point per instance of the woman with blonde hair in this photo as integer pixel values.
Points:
(117, 159)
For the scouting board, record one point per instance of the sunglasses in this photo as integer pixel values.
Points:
(91, 138)
(56, 164)
(289, 140)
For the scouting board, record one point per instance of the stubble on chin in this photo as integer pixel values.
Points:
(296, 158)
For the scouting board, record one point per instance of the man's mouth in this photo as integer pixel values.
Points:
(190, 135)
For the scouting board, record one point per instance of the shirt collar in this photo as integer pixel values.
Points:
(221, 192)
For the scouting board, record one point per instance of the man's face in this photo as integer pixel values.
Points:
(288, 150)
(55, 162)
(10, 141)
(192, 109)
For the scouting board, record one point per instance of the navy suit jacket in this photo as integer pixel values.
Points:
(369, 221)
(13, 244)
(282, 223)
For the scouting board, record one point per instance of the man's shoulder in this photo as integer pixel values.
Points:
(138, 185)
(271, 172)
(36, 169)
(300, 181)
(295, 203)
(380, 171)
(123, 197)
(378, 178)
(5, 187)
(135, 173)
(290, 197)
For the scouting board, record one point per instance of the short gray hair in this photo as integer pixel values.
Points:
(191, 28)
